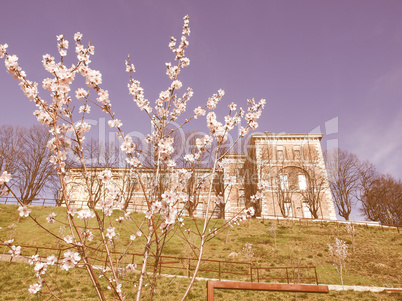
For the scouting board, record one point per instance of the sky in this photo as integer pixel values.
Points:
(329, 66)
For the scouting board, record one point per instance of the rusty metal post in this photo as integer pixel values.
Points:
(280, 287)
(189, 267)
(287, 275)
(219, 270)
(210, 291)
(251, 272)
(316, 278)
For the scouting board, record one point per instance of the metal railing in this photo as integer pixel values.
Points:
(142, 207)
(209, 268)
(35, 202)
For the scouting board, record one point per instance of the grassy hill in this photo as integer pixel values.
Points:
(375, 261)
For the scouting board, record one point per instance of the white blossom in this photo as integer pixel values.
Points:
(105, 175)
(78, 36)
(81, 93)
(51, 260)
(88, 234)
(84, 109)
(34, 288)
(51, 218)
(69, 239)
(15, 251)
(110, 233)
(5, 177)
(128, 145)
(85, 214)
(33, 259)
(3, 49)
(24, 211)
(40, 268)
(115, 123)
(70, 260)
(9, 242)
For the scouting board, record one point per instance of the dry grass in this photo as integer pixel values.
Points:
(377, 259)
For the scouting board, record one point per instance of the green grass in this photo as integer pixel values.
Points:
(377, 260)
(75, 286)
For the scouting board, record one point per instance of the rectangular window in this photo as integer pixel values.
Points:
(296, 152)
(200, 209)
(279, 152)
(306, 210)
(284, 181)
(302, 182)
(242, 199)
(288, 209)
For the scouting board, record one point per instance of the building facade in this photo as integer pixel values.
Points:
(281, 175)
(287, 172)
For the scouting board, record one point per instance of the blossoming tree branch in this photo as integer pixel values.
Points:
(163, 218)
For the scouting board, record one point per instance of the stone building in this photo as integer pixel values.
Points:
(287, 171)
(282, 175)
(130, 190)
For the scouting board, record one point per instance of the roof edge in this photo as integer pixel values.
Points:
(288, 136)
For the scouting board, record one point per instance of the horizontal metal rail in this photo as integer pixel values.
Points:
(141, 207)
(35, 202)
(218, 268)
(279, 287)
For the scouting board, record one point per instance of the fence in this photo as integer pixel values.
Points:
(143, 207)
(235, 285)
(307, 221)
(215, 269)
(34, 202)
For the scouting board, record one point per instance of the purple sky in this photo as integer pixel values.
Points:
(312, 60)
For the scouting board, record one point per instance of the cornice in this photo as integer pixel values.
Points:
(281, 136)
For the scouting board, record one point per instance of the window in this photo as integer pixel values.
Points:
(241, 199)
(297, 154)
(284, 181)
(200, 209)
(302, 182)
(279, 152)
(306, 210)
(288, 208)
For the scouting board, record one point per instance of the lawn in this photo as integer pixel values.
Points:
(376, 261)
